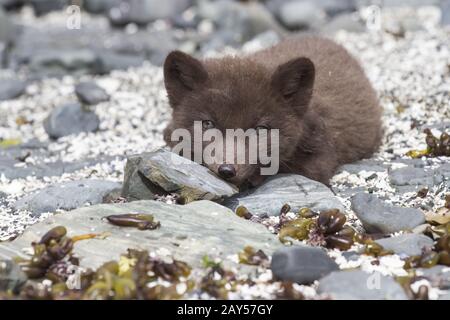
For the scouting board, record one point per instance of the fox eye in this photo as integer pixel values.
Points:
(259, 128)
(207, 124)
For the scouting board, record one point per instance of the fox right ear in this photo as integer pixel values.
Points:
(182, 73)
(295, 81)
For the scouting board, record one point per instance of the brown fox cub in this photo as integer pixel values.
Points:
(310, 89)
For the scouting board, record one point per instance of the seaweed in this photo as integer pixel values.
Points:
(436, 147)
(136, 220)
(251, 257)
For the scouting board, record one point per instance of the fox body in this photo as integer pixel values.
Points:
(309, 88)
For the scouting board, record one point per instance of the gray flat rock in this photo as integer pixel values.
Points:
(187, 231)
(359, 285)
(379, 217)
(407, 244)
(66, 196)
(162, 171)
(295, 190)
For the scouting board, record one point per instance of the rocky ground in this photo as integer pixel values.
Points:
(82, 111)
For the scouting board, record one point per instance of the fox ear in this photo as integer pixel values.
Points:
(295, 81)
(182, 73)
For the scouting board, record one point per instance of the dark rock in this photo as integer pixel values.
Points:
(295, 190)
(379, 217)
(12, 4)
(142, 12)
(335, 7)
(406, 244)
(90, 93)
(301, 264)
(359, 285)
(11, 276)
(11, 89)
(70, 119)
(42, 7)
(188, 232)
(66, 196)
(99, 6)
(8, 30)
(162, 172)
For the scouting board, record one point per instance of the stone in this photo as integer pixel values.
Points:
(42, 7)
(379, 217)
(335, 7)
(359, 285)
(301, 264)
(438, 276)
(8, 30)
(406, 244)
(58, 62)
(238, 22)
(66, 196)
(70, 119)
(109, 61)
(142, 12)
(11, 88)
(11, 276)
(412, 176)
(99, 6)
(10, 169)
(162, 172)
(295, 190)
(188, 232)
(12, 4)
(445, 12)
(302, 15)
(90, 93)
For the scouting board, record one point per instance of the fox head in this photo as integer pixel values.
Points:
(239, 93)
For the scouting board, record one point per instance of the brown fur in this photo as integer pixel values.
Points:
(309, 88)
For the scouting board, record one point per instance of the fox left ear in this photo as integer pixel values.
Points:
(182, 73)
(295, 81)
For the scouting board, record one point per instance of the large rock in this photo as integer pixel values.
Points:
(295, 190)
(409, 244)
(359, 285)
(142, 12)
(90, 93)
(162, 172)
(11, 276)
(188, 232)
(301, 264)
(379, 217)
(70, 119)
(11, 88)
(66, 196)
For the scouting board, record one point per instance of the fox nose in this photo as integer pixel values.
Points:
(227, 171)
